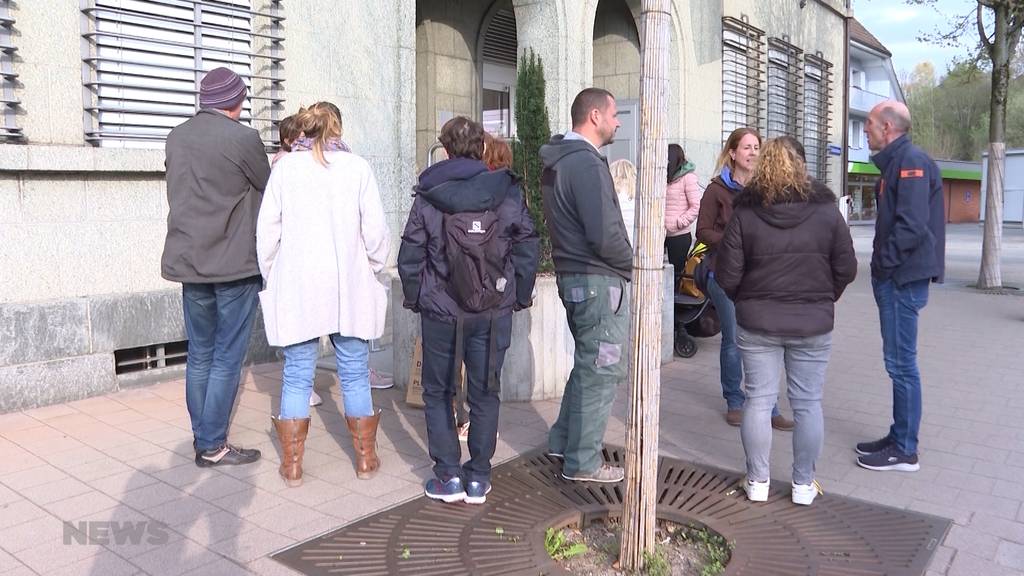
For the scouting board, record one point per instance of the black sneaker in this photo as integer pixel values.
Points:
(227, 455)
(865, 448)
(889, 458)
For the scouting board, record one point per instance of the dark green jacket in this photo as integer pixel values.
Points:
(216, 172)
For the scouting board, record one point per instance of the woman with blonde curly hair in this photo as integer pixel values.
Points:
(785, 259)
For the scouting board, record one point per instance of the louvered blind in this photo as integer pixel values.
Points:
(742, 90)
(817, 115)
(500, 42)
(145, 59)
(9, 130)
(783, 88)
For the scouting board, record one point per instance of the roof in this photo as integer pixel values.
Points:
(860, 35)
(949, 169)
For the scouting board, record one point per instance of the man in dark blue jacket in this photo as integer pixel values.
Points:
(909, 254)
(462, 184)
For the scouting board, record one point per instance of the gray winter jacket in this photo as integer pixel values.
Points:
(216, 172)
(582, 211)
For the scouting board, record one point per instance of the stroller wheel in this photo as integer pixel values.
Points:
(685, 346)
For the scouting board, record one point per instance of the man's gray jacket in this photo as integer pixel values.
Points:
(582, 211)
(216, 172)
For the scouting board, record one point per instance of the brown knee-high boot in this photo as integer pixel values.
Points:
(292, 435)
(364, 439)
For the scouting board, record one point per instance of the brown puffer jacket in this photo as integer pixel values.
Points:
(715, 212)
(785, 265)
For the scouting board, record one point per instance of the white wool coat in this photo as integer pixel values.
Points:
(321, 237)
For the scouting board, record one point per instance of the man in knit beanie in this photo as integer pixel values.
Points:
(216, 172)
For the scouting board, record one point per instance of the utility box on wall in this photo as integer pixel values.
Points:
(1013, 191)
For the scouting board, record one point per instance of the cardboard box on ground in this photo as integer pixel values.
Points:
(414, 392)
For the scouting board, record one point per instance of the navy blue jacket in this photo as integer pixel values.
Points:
(910, 228)
(464, 185)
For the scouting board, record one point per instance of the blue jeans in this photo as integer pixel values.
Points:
(218, 322)
(439, 341)
(898, 308)
(806, 361)
(353, 357)
(729, 360)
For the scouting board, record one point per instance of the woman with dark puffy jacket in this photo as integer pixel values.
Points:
(785, 258)
(682, 203)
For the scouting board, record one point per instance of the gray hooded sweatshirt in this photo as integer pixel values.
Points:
(582, 211)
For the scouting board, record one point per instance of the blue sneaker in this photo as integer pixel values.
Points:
(450, 491)
(476, 492)
(890, 458)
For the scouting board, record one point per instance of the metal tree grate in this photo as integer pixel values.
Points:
(836, 536)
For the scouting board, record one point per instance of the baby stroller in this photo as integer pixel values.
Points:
(695, 316)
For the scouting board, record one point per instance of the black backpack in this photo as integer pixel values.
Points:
(477, 255)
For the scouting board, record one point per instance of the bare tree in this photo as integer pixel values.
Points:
(998, 24)
(641, 498)
(1000, 46)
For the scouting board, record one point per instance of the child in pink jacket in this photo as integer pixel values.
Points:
(682, 201)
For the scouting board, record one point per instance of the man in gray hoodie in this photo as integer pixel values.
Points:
(594, 265)
(216, 172)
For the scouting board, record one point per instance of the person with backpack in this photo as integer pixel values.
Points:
(468, 260)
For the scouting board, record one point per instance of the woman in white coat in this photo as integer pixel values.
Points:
(321, 237)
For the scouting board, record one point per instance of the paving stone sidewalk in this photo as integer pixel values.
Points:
(126, 458)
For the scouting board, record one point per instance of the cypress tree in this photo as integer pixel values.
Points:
(533, 130)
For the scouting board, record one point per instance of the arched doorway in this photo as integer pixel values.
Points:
(498, 59)
(465, 66)
(617, 69)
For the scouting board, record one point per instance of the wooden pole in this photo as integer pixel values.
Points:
(638, 510)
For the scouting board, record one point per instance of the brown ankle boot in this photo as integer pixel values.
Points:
(292, 435)
(364, 439)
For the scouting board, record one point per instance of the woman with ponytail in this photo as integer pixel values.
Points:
(321, 239)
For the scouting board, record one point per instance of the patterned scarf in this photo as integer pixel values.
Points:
(303, 144)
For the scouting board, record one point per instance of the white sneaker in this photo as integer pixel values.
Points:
(804, 494)
(380, 381)
(756, 491)
(315, 399)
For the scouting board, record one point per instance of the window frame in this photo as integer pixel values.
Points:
(142, 61)
(783, 102)
(9, 130)
(742, 75)
(817, 114)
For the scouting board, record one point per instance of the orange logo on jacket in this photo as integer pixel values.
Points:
(913, 173)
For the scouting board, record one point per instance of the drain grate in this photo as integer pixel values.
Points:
(836, 536)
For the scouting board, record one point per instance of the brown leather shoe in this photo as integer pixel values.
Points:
(363, 430)
(780, 422)
(734, 417)
(292, 435)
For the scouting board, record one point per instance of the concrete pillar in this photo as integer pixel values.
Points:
(560, 32)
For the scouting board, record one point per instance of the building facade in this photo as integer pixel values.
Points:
(92, 87)
(872, 80)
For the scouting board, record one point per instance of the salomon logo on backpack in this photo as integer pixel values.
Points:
(477, 256)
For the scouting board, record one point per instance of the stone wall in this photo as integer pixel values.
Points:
(82, 228)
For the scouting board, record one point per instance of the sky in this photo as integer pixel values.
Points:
(898, 24)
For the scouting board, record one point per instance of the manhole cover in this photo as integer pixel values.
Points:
(836, 536)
